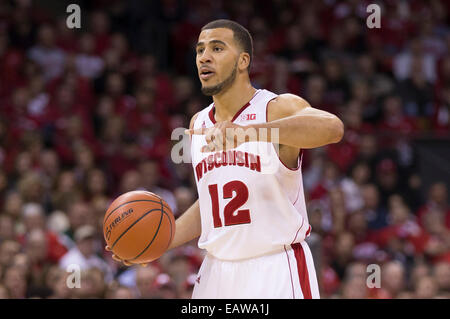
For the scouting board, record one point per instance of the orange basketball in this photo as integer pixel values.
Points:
(138, 226)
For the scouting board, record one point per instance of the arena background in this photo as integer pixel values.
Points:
(87, 114)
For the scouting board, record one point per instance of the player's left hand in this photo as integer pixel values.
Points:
(223, 136)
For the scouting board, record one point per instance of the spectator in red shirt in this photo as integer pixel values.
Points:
(315, 93)
(34, 218)
(11, 59)
(100, 26)
(435, 239)
(36, 249)
(284, 80)
(115, 86)
(159, 82)
(387, 179)
(345, 152)
(402, 235)
(395, 123)
(437, 199)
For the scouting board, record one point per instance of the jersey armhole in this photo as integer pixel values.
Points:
(192, 124)
(300, 152)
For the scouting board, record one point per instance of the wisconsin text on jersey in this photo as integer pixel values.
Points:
(231, 157)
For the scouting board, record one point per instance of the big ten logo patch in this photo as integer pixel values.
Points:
(248, 117)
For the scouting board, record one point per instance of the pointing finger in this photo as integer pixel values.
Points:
(198, 131)
(207, 148)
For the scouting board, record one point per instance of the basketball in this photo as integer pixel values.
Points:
(138, 226)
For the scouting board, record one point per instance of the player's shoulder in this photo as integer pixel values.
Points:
(202, 113)
(284, 105)
(193, 118)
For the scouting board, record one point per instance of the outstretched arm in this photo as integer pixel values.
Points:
(300, 125)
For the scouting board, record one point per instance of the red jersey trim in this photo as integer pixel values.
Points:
(211, 115)
(212, 111)
(302, 269)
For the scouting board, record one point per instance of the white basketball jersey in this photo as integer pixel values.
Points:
(251, 204)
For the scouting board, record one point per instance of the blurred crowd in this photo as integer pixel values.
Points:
(86, 115)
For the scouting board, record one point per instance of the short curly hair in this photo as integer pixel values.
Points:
(240, 34)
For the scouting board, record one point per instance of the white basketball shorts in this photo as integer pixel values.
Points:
(284, 275)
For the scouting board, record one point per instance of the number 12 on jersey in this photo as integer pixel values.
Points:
(231, 212)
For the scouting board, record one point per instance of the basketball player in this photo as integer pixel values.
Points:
(251, 220)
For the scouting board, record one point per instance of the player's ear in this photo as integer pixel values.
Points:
(244, 60)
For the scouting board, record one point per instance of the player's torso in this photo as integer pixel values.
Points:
(250, 203)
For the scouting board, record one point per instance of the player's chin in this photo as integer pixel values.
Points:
(210, 90)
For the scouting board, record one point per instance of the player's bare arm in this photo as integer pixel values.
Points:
(300, 126)
(298, 123)
(188, 226)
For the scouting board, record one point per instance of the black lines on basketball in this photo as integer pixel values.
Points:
(134, 223)
(133, 229)
(171, 233)
(154, 236)
(132, 201)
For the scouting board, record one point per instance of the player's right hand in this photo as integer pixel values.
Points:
(126, 263)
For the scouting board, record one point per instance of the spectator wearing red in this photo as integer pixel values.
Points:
(437, 198)
(34, 218)
(395, 123)
(100, 25)
(152, 79)
(435, 240)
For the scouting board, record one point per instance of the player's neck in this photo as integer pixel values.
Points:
(228, 103)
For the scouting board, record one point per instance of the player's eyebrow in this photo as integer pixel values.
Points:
(211, 42)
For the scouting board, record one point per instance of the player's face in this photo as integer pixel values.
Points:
(217, 56)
